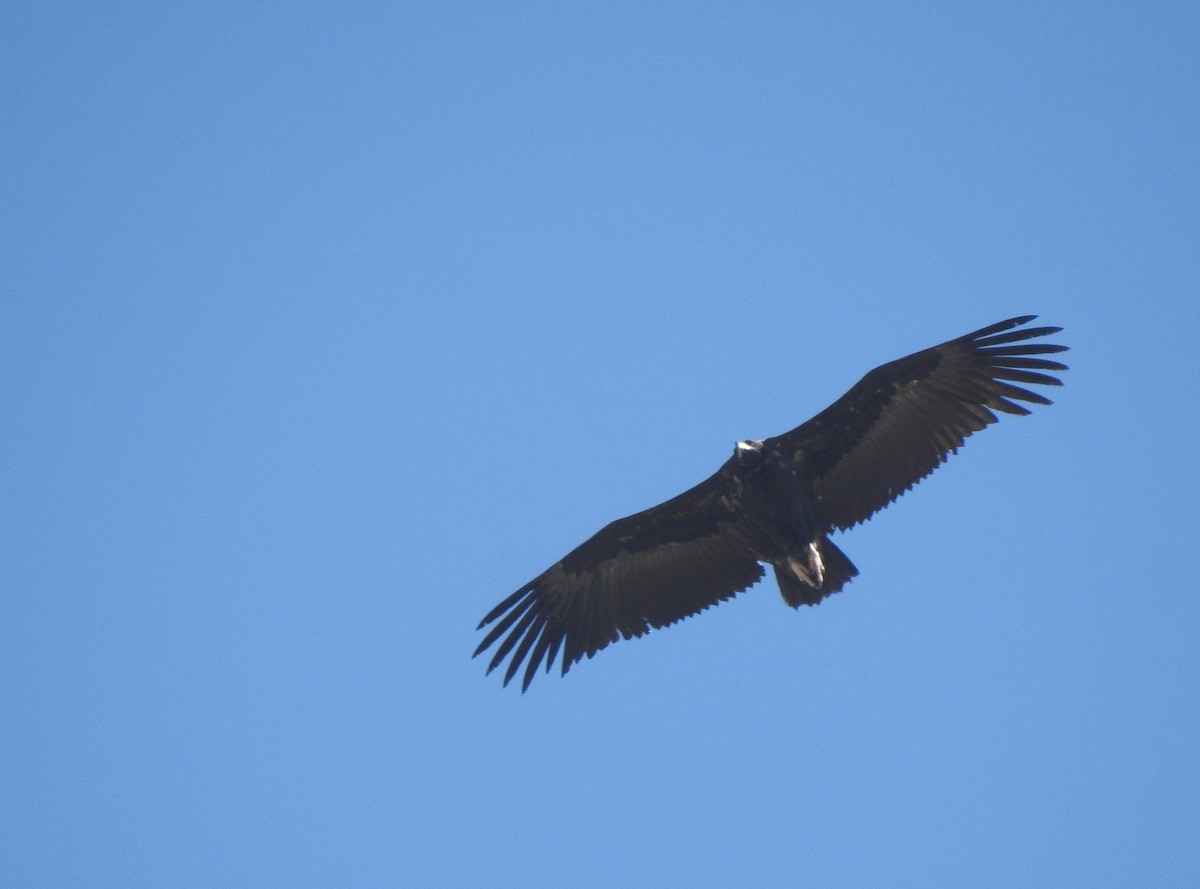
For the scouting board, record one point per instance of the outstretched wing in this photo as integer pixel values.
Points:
(903, 419)
(638, 573)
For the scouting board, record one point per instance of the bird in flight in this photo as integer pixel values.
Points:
(773, 502)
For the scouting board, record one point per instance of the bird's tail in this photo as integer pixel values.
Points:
(827, 571)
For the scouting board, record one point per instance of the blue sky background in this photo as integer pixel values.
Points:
(325, 327)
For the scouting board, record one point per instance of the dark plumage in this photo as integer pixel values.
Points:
(773, 502)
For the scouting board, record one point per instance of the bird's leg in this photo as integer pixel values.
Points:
(811, 571)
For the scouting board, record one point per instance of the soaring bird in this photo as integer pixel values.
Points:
(774, 502)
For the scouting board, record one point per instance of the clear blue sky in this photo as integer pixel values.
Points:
(326, 327)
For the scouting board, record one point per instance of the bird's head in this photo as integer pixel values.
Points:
(748, 451)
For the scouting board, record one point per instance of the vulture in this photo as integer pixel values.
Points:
(774, 502)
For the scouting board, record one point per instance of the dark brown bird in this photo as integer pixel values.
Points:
(774, 502)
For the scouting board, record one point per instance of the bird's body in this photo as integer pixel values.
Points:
(782, 526)
(775, 502)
